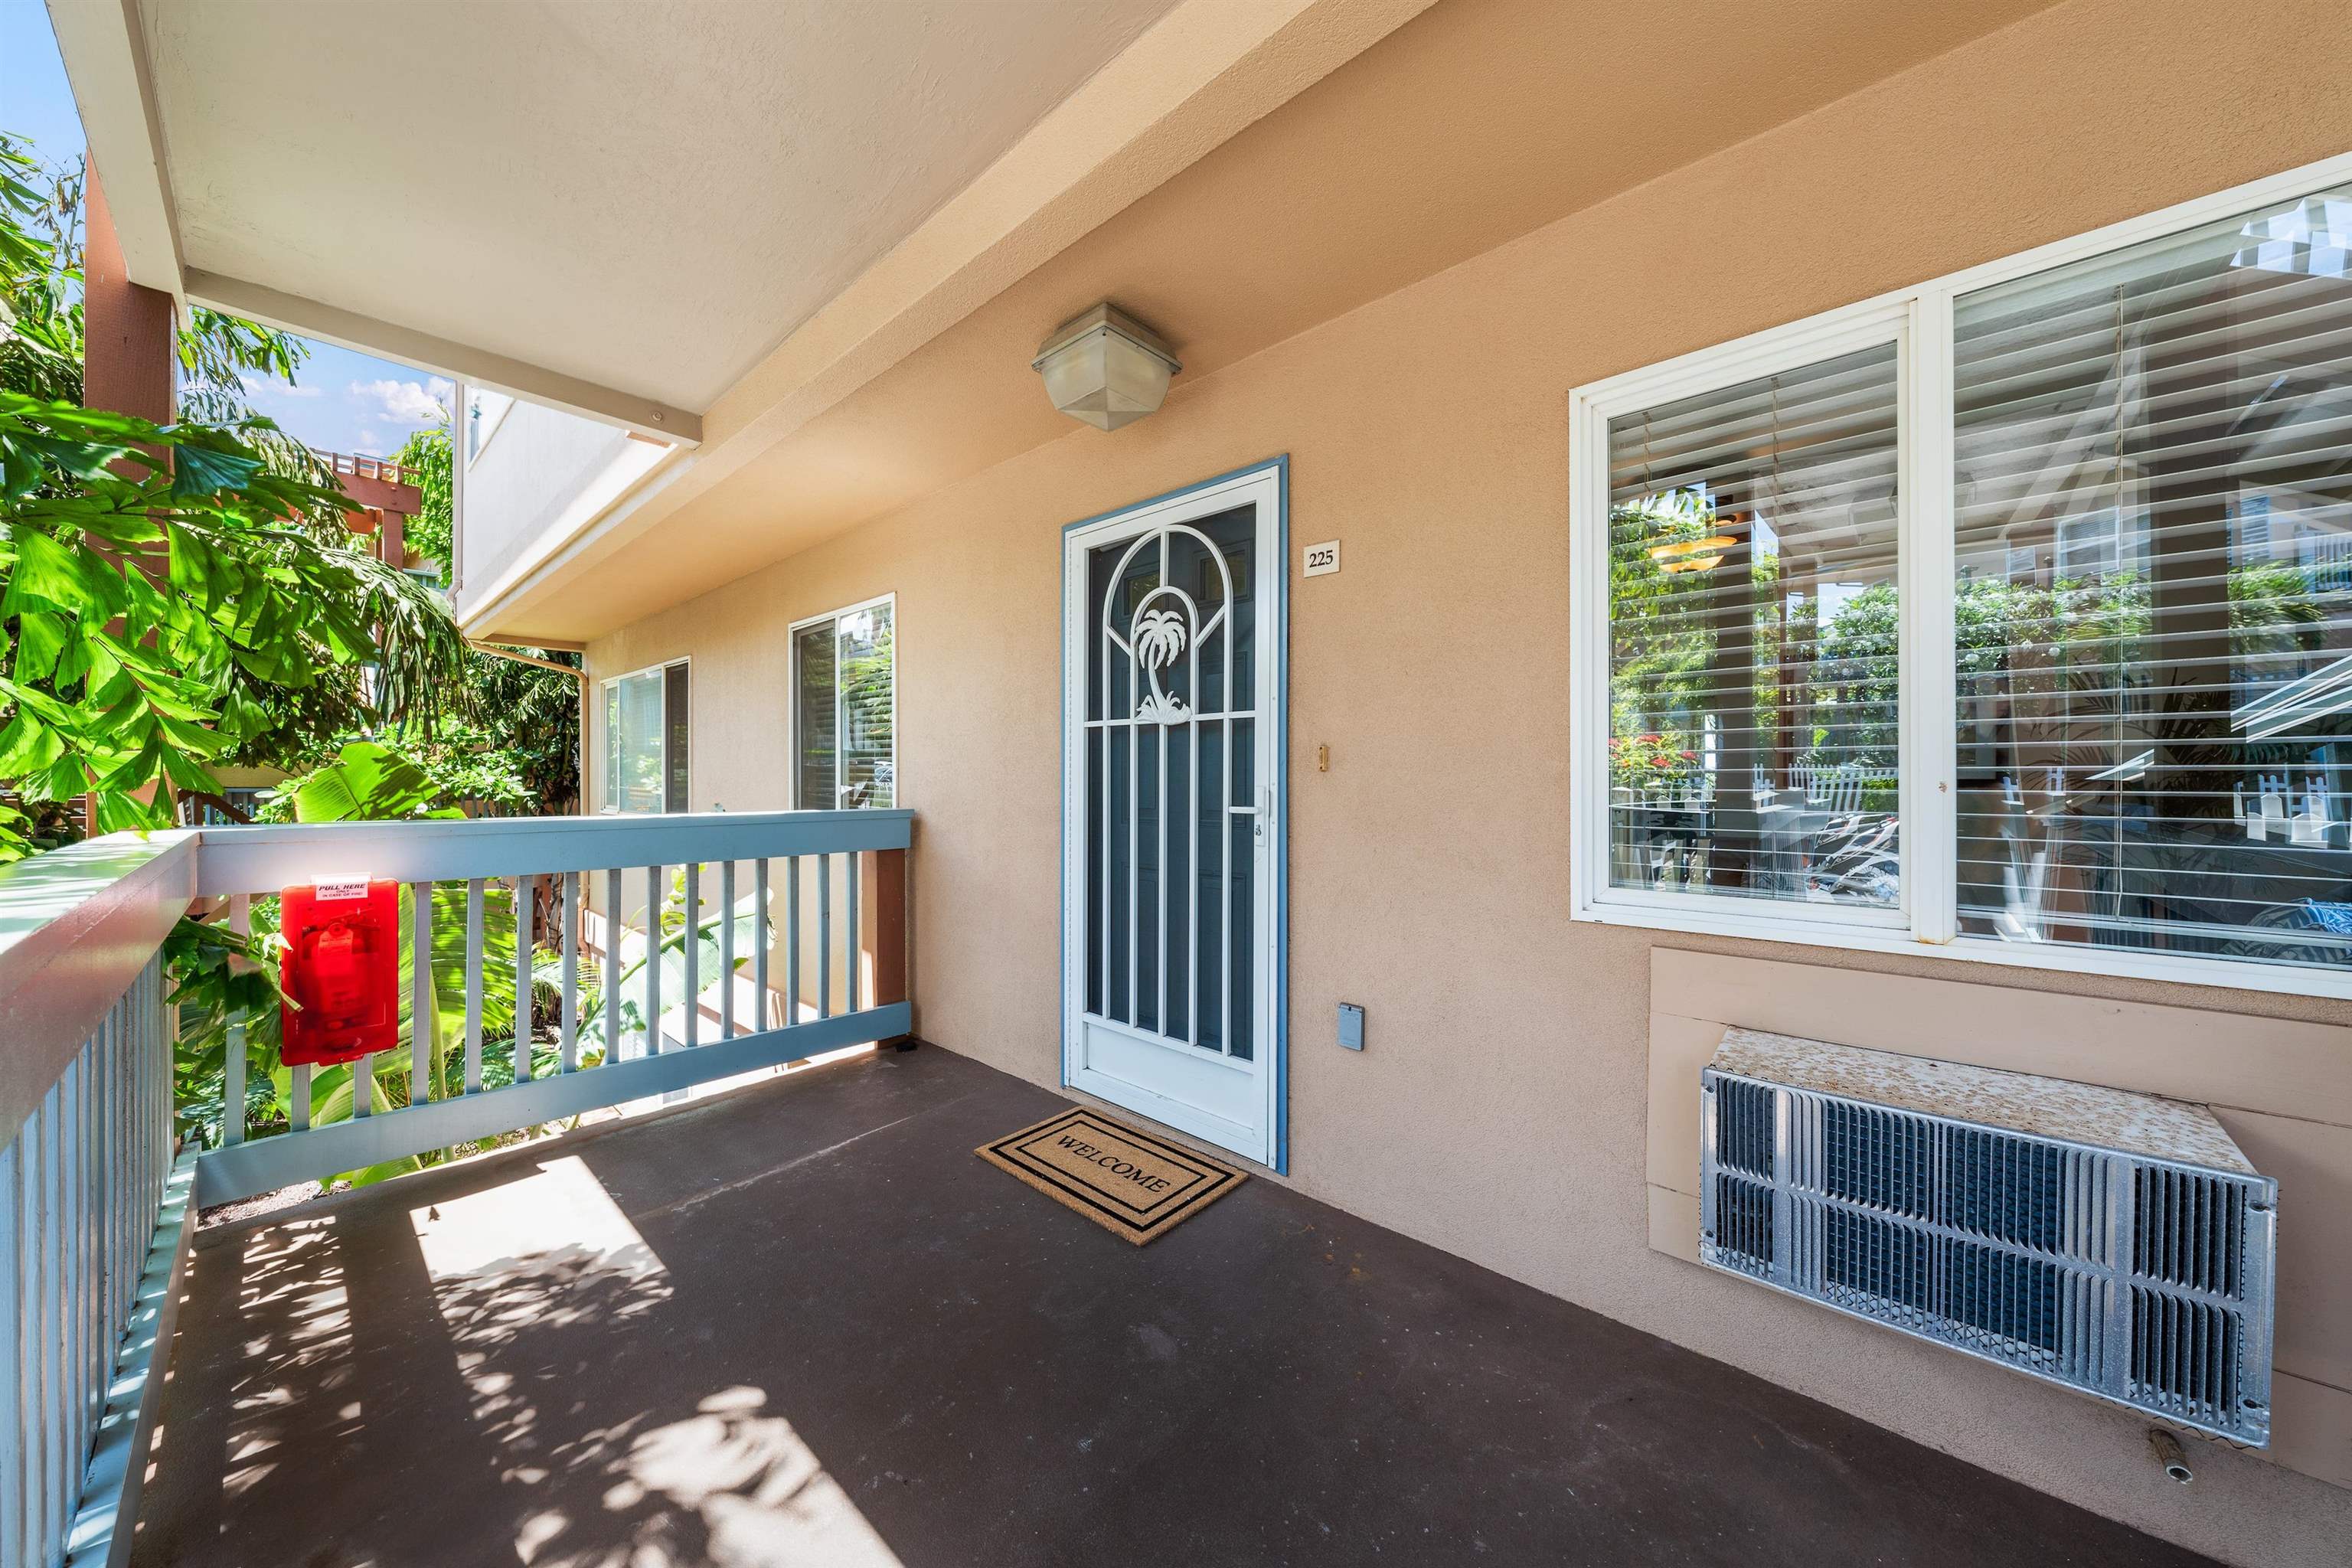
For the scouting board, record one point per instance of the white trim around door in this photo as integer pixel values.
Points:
(1175, 671)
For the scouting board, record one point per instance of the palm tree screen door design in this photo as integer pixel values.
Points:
(1168, 834)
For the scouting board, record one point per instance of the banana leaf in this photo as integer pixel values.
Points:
(627, 983)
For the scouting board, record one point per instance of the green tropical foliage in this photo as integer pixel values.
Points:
(461, 764)
(2079, 636)
(153, 582)
(535, 712)
(628, 982)
(40, 302)
(218, 999)
(432, 532)
(174, 596)
(222, 1002)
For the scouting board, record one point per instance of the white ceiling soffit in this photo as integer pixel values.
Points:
(1206, 71)
(116, 97)
(612, 206)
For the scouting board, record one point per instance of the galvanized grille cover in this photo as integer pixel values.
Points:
(2138, 1280)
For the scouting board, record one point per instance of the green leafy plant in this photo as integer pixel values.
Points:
(173, 594)
(367, 782)
(527, 716)
(627, 987)
(145, 591)
(432, 532)
(462, 764)
(221, 997)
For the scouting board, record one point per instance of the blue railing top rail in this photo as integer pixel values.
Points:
(76, 925)
(265, 859)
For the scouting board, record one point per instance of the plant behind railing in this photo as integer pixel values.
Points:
(227, 981)
(169, 594)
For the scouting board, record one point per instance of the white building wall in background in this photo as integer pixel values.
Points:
(531, 473)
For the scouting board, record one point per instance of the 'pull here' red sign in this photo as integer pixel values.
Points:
(340, 969)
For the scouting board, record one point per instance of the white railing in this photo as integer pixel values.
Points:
(806, 922)
(91, 1203)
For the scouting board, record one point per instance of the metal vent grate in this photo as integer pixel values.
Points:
(2141, 1280)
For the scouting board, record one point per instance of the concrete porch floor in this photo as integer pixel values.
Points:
(804, 1324)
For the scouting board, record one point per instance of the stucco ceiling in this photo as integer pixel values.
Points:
(645, 196)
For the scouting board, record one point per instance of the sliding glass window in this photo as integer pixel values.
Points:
(2011, 614)
(1753, 691)
(2153, 516)
(844, 709)
(646, 735)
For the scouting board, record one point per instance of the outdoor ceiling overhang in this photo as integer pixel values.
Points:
(689, 222)
(616, 208)
(578, 204)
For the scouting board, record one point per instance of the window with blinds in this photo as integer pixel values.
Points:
(845, 709)
(2153, 605)
(1754, 732)
(2076, 693)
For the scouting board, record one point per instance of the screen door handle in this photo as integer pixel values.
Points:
(1262, 810)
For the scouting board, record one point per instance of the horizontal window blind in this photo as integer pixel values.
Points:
(815, 717)
(845, 710)
(1753, 638)
(2153, 516)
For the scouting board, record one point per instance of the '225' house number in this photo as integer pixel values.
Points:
(1321, 559)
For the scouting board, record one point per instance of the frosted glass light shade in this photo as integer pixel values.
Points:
(1106, 367)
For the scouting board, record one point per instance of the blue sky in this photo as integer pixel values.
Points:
(339, 400)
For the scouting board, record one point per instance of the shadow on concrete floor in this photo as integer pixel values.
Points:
(803, 1324)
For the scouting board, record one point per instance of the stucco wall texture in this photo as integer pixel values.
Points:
(1500, 1111)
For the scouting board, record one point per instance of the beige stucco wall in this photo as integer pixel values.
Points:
(1500, 1112)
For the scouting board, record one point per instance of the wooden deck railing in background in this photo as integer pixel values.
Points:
(358, 466)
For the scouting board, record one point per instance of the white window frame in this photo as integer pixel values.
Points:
(604, 752)
(480, 440)
(793, 711)
(1918, 321)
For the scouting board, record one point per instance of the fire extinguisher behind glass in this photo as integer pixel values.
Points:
(340, 970)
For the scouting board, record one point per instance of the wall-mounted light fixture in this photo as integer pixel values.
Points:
(1698, 554)
(1106, 367)
(1691, 554)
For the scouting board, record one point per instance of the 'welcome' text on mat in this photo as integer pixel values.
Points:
(1128, 1182)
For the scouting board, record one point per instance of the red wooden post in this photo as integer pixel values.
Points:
(127, 360)
(882, 929)
(396, 539)
(128, 365)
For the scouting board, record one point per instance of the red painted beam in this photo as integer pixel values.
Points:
(127, 352)
(381, 494)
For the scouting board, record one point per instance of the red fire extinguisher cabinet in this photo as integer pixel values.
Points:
(340, 970)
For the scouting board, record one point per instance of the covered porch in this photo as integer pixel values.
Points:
(751, 382)
(802, 1323)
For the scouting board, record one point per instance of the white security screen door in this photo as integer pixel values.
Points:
(1171, 831)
